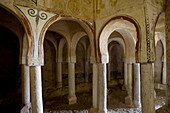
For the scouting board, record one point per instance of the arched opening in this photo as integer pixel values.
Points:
(127, 29)
(160, 70)
(115, 75)
(158, 65)
(80, 62)
(48, 70)
(55, 48)
(10, 71)
(70, 54)
(83, 69)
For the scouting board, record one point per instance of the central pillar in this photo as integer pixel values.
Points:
(125, 76)
(128, 99)
(59, 75)
(72, 99)
(147, 82)
(25, 85)
(137, 96)
(164, 71)
(36, 89)
(102, 88)
(94, 87)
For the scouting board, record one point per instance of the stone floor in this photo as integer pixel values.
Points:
(115, 100)
(117, 110)
(55, 100)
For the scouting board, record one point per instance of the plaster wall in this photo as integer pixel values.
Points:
(77, 8)
(11, 22)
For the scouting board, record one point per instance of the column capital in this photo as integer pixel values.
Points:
(136, 64)
(104, 59)
(71, 59)
(163, 59)
(59, 60)
(36, 24)
(129, 60)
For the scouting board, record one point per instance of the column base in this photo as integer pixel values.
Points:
(137, 104)
(124, 88)
(59, 85)
(72, 100)
(154, 94)
(93, 110)
(86, 80)
(128, 100)
(102, 111)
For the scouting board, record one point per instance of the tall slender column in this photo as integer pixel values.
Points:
(102, 88)
(86, 71)
(153, 69)
(128, 99)
(147, 82)
(25, 85)
(108, 74)
(137, 96)
(164, 72)
(36, 89)
(72, 99)
(125, 75)
(95, 86)
(59, 74)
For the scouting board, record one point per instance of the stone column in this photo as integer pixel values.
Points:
(125, 75)
(86, 71)
(102, 88)
(59, 75)
(36, 89)
(153, 69)
(137, 96)
(108, 73)
(147, 82)
(25, 85)
(164, 71)
(128, 99)
(72, 99)
(95, 87)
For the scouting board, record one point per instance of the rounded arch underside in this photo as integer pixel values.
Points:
(115, 24)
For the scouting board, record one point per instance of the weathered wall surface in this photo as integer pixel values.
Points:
(78, 8)
(158, 63)
(48, 70)
(11, 22)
